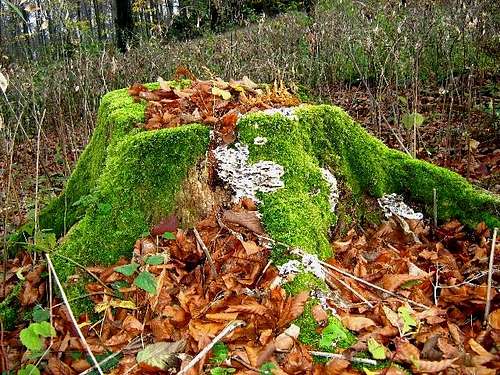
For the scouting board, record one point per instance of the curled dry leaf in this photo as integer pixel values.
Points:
(319, 314)
(357, 323)
(483, 356)
(285, 340)
(433, 366)
(494, 319)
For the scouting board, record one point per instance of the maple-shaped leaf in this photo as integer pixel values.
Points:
(161, 355)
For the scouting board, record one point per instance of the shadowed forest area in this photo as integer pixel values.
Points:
(421, 76)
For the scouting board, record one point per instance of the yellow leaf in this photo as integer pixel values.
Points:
(123, 304)
(226, 95)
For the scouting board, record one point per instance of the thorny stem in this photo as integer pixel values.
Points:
(72, 316)
(490, 276)
(227, 330)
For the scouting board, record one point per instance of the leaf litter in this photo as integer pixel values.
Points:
(419, 307)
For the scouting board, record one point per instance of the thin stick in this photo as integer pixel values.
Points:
(227, 330)
(345, 273)
(86, 270)
(72, 316)
(435, 207)
(207, 253)
(340, 356)
(490, 276)
(350, 288)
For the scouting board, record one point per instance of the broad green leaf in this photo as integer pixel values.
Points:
(222, 371)
(161, 354)
(226, 95)
(43, 329)
(370, 372)
(220, 352)
(28, 370)
(31, 340)
(376, 350)
(127, 269)
(146, 281)
(408, 320)
(169, 236)
(267, 368)
(408, 119)
(40, 314)
(155, 260)
(332, 334)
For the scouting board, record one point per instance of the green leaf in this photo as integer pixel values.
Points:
(127, 269)
(222, 370)
(40, 314)
(29, 370)
(43, 329)
(169, 236)
(332, 334)
(376, 350)
(15, 9)
(267, 368)
(220, 352)
(155, 260)
(146, 281)
(408, 119)
(226, 95)
(31, 340)
(410, 284)
(408, 320)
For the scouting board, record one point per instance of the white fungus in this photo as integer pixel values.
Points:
(288, 112)
(393, 204)
(334, 190)
(247, 179)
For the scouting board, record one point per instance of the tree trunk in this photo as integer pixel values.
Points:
(124, 23)
(97, 16)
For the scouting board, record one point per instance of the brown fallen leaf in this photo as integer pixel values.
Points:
(433, 366)
(494, 319)
(57, 367)
(251, 247)
(319, 314)
(247, 219)
(357, 323)
(483, 356)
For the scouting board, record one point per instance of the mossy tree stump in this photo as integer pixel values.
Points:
(128, 178)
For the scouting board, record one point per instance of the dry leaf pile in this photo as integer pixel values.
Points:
(160, 333)
(215, 102)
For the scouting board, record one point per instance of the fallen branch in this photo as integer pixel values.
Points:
(227, 330)
(490, 277)
(72, 316)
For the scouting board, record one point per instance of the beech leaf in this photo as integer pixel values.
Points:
(161, 354)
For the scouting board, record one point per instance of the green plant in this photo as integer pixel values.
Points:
(33, 336)
(222, 371)
(267, 368)
(28, 370)
(144, 280)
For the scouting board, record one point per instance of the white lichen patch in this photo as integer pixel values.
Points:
(288, 112)
(334, 190)
(307, 263)
(247, 179)
(393, 204)
(260, 141)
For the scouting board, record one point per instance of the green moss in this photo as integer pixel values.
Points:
(141, 177)
(316, 337)
(305, 281)
(9, 309)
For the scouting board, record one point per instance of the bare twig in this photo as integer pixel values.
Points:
(207, 253)
(340, 356)
(363, 281)
(490, 276)
(435, 210)
(72, 316)
(227, 330)
(351, 289)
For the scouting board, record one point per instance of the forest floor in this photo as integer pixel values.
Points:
(414, 294)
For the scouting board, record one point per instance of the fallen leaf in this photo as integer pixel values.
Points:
(161, 355)
(494, 319)
(357, 323)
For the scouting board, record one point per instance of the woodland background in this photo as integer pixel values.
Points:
(421, 75)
